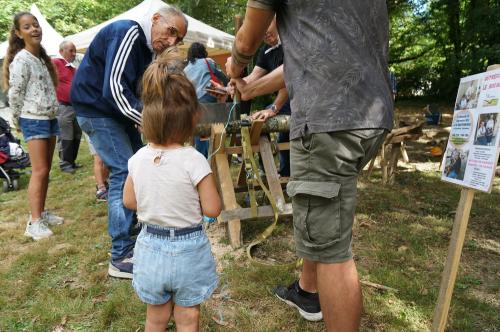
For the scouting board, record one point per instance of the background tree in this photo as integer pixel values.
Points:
(433, 42)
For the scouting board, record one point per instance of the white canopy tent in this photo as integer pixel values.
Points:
(50, 38)
(216, 41)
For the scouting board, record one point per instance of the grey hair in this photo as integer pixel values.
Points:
(170, 11)
(64, 43)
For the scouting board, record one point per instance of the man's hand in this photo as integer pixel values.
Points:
(263, 115)
(241, 85)
(232, 69)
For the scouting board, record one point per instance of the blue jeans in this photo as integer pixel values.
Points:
(115, 142)
(284, 156)
(38, 129)
(180, 268)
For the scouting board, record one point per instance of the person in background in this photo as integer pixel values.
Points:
(101, 174)
(342, 109)
(490, 125)
(71, 134)
(269, 58)
(30, 78)
(105, 94)
(200, 70)
(171, 187)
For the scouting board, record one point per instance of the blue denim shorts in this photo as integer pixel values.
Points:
(38, 129)
(179, 268)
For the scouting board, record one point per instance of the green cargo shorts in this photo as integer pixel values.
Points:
(324, 173)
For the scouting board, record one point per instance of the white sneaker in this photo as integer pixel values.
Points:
(51, 219)
(37, 229)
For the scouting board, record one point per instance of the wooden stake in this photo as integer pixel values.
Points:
(453, 260)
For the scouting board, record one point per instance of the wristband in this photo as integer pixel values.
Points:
(239, 58)
(209, 219)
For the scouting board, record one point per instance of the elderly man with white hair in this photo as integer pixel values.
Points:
(71, 134)
(105, 95)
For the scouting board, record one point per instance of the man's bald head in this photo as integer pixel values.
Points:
(67, 50)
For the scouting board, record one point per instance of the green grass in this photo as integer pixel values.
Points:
(401, 241)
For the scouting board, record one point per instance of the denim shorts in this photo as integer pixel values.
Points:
(179, 268)
(324, 169)
(38, 129)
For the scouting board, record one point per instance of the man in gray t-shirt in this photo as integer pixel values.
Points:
(335, 69)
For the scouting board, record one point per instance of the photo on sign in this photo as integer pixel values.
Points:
(487, 129)
(468, 95)
(455, 163)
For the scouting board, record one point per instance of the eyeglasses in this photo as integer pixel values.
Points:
(173, 32)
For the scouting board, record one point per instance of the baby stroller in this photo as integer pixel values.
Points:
(12, 158)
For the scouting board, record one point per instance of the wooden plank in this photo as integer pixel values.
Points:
(217, 137)
(228, 198)
(453, 260)
(255, 148)
(403, 138)
(241, 179)
(245, 214)
(283, 146)
(272, 177)
(255, 131)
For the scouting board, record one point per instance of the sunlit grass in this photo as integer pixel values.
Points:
(401, 241)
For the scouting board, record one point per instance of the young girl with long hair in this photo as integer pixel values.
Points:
(171, 187)
(30, 78)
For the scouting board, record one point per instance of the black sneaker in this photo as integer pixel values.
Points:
(306, 303)
(122, 268)
(68, 169)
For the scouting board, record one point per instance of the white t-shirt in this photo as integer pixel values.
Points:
(166, 192)
(490, 124)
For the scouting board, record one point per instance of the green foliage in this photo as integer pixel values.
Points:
(435, 42)
(66, 16)
(217, 13)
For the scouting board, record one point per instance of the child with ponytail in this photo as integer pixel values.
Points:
(171, 187)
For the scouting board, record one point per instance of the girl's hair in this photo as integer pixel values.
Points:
(16, 44)
(196, 51)
(171, 107)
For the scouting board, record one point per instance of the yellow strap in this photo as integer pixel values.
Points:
(255, 175)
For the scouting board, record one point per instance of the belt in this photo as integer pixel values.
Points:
(172, 232)
(65, 103)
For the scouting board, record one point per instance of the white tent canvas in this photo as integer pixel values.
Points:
(216, 41)
(50, 38)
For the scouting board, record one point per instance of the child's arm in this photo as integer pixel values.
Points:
(209, 197)
(129, 200)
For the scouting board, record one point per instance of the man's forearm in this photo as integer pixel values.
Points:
(249, 37)
(267, 84)
(281, 98)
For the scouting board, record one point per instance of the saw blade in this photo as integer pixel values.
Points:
(218, 112)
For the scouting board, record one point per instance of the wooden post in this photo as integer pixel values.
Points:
(453, 260)
(273, 181)
(225, 181)
(454, 253)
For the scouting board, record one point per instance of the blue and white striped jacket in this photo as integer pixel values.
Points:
(107, 81)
